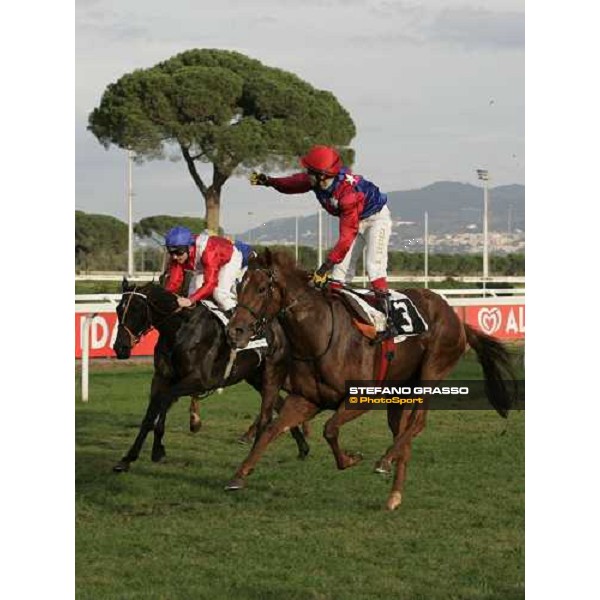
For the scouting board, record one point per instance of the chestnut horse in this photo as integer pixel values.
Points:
(327, 350)
(190, 359)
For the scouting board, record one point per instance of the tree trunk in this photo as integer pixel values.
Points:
(213, 209)
(212, 194)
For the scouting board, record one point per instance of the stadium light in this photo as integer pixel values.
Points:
(426, 235)
(484, 176)
(130, 265)
(250, 214)
(296, 237)
(320, 241)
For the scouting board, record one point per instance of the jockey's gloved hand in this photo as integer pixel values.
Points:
(323, 273)
(258, 179)
(184, 302)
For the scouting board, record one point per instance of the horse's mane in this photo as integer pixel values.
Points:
(155, 291)
(284, 261)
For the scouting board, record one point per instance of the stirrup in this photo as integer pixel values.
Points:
(381, 336)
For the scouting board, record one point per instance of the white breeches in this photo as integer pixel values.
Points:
(374, 232)
(225, 292)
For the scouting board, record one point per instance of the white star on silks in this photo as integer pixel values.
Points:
(350, 179)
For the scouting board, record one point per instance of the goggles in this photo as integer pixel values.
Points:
(177, 250)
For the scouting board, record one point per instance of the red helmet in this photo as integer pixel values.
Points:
(322, 159)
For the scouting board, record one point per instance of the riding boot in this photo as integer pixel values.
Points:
(384, 304)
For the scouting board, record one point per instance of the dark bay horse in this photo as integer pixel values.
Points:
(327, 350)
(191, 358)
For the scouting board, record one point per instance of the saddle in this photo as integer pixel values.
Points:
(371, 322)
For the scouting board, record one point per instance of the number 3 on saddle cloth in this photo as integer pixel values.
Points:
(370, 321)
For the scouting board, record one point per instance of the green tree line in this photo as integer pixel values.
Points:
(412, 263)
(101, 245)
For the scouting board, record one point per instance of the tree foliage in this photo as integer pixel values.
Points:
(160, 224)
(223, 108)
(100, 242)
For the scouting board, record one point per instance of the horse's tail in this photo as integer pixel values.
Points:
(500, 385)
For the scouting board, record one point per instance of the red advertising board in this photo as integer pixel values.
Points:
(103, 331)
(504, 321)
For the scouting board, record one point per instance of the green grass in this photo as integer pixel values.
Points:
(301, 529)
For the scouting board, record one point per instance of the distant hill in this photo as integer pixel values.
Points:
(453, 208)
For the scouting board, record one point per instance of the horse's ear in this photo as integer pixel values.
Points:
(124, 285)
(253, 260)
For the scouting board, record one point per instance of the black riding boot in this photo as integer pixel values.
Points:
(384, 304)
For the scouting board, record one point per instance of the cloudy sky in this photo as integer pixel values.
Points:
(435, 88)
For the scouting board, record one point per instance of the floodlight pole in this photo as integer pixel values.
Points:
(484, 176)
(296, 238)
(130, 265)
(320, 228)
(426, 249)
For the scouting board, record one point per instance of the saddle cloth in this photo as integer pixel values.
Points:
(252, 344)
(405, 314)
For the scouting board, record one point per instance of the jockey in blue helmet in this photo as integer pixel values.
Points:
(216, 263)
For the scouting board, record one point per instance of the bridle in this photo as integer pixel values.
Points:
(149, 305)
(262, 319)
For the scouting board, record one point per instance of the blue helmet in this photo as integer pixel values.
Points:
(179, 236)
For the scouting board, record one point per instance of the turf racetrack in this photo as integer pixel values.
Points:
(301, 530)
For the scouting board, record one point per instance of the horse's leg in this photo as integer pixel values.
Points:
(250, 433)
(295, 410)
(435, 368)
(401, 420)
(306, 429)
(158, 450)
(195, 421)
(297, 432)
(331, 433)
(148, 422)
(405, 451)
(270, 386)
(188, 386)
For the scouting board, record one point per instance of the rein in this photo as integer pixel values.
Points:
(263, 320)
(148, 305)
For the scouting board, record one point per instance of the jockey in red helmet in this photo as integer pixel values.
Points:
(216, 264)
(362, 209)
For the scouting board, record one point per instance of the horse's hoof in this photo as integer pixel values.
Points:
(356, 458)
(383, 467)
(195, 425)
(351, 460)
(244, 440)
(158, 456)
(121, 467)
(303, 454)
(235, 484)
(394, 501)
